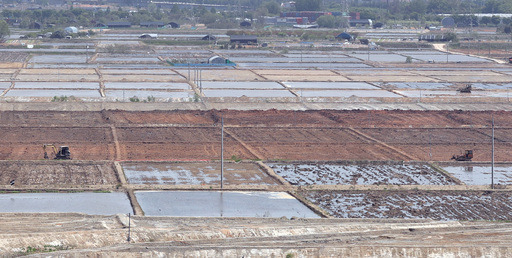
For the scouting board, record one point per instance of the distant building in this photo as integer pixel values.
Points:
(245, 24)
(174, 25)
(209, 37)
(148, 36)
(93, 7)
(119, 24)
(244, 39)
(35, 26)
(216, 60)
(344, 35)
(355, 16)
(288, 5)
(156, 24)
(432, 37)
(311, 16)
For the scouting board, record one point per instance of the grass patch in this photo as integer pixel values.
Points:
(102, 191)
(63, 98)
(44, 249)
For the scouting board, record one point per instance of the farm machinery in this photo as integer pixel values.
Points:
(61, 153)
(467, 156)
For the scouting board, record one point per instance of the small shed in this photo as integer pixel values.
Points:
(119, 24)
(343, 36)
(244, 39)
(378, 25)
(216, 60)
(154, 24)
(245, 24)
(432, 37)
(36, 26)
(174, 25)
(209, 37)
(148, 36)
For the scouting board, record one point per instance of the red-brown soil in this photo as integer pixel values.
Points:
(159, 117)
(272, 134)
(57, 173)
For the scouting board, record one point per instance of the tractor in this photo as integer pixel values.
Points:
(467, 156)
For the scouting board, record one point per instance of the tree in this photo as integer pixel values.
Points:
(208, 18)
(272, 7)
(491, 6)
(175, 9)
(485, 20)
(308, 5)
(418, 6)
(4, 29)
(495, 20)
(7, 13)
(451, 36)
(440, 6)
(507, 29)
(326, 21)
(57, 35)
(152, 8)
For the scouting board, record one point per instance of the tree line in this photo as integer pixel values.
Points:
(423, 11)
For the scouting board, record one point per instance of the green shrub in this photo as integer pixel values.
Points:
(235, 158)
(150, 99)
(60, 99)
(196, 97)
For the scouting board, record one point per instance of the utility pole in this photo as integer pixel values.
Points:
(240, 8)
(129, 227)
(344, 6)
(430, 144)
(222, 153)
(492, 153)
(447, 51)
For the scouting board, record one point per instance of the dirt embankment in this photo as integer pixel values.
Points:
(107, 235)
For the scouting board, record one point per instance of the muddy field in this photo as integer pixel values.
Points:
(225, 75)
(304, 78)
(161, 117)
(177, 143)
(195, 173)
(57, 173)
(13, 57)
(269, 135)
(437, 205)
(360, 174)
(421, 119)
(481, 174)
